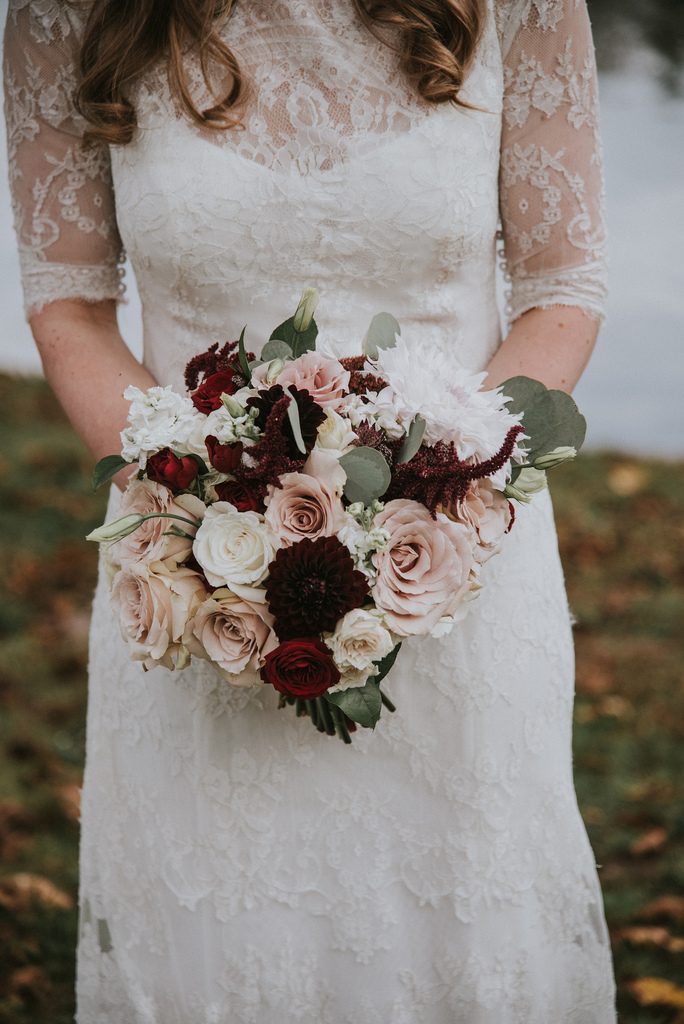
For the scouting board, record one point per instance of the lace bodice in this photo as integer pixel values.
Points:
(324, 94)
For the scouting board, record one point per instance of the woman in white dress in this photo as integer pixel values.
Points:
(237, 867)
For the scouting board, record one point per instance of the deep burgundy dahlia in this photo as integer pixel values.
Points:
(311, 415)
(311, 585)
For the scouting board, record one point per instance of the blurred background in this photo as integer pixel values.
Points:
(620, 513)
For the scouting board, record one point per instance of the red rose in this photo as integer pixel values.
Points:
(223, 457)
(301, 668)
(166, 468)
(246, 497)
(207, 397)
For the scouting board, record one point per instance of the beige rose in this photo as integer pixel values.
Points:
(151, 542)
(488, 512)
(308, 504)
(424, 572)
(324, 378)
(154, 605)
(233, 634)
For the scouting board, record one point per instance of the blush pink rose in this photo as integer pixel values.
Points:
(488, 512)
(424, 572)
(151, 542)
(309, 504)
(234, 634)
(323, 377)
(154, 605)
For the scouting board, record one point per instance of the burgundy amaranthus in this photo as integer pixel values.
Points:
(436, 476)
(276, 451)
(360, 380)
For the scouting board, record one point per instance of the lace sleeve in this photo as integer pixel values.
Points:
(551, 178)
(64, 217)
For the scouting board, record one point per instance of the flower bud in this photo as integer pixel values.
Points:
(305, 310)
(232, 406)
(555, 458)
(117, 529)
(528, 482)
(273, 369)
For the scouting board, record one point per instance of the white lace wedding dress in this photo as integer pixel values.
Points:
(237, 866)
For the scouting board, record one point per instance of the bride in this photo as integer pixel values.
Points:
(237, 867)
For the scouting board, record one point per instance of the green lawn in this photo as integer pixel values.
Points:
(621, 525)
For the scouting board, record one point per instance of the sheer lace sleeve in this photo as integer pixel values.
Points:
(551, 178)
(69, 246)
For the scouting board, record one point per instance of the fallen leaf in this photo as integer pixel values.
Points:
(651, 936)
(648, 991)
(664, 906)
(627, 480)
(649, 842)
(18, 891)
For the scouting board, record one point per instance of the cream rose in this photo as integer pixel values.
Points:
(335, 435)
(359, 641)
(234, 548)
(324, 378)
(154, 605)
(424, 572)
(488, 512)
(308, 504)
(151, 541)
(234, 634)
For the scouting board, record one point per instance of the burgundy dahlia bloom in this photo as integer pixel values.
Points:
(311, 585)
(311, 415)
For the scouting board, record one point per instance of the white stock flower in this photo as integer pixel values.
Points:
(379, 409)
(158, 418)
(234, 548)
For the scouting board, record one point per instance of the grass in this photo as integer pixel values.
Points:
(621, 529)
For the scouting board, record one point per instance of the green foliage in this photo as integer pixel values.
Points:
(382, 333)
(360, 703)
(551, 418)
(622, 543)
(106, 468)
(413, 440)
(368, 475)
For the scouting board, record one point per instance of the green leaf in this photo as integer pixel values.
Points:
(299, 342)
(386, 664)
(413, 440)
(242, 356)
(106, 468)
(382, 333)
(275, 349)
(360, 703)
(550, 417)
(368, 474)
(293, 416)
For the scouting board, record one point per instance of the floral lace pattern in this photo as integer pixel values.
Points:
(236, 866)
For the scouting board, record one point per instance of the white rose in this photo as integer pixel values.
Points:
(234, 548)
(360, 639)
(335, 434)
(154, 605)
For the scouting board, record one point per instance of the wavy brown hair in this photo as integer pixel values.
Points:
(123, 38)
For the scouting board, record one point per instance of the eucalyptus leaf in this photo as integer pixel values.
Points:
(299, 342)
(368, 474)
(242, 356)
(360, 703)
(386, 664)
(106, 468)
(293, 416)
(382, 333)
(550, 417)
(275, 349)
(413, 440)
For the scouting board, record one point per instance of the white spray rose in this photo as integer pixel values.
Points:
(335, 434)
(360, 639)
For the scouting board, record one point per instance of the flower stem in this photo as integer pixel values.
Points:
(387, 702)
(170, 515)
(326, 716)
(340, 724)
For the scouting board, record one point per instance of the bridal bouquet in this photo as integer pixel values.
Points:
(295, 516)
